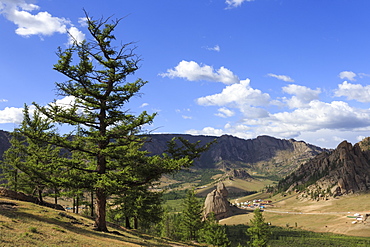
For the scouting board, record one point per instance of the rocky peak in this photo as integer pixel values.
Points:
(344, 170)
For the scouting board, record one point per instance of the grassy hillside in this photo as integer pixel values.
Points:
(27, 224)
(318, 216)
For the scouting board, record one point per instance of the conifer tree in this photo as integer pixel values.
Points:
(97, 74)
(191, 216)
(259, 231)
(213, 233)
(33, 164)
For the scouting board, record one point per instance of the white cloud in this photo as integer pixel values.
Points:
(337, 115)
(215, 48)
(319, 122)
(235, 3)
(144, 105)
(41, 23)
(362, 75)
(349, 75)
(3, 100)
(186, 117)
(75, 35)
(301, 95)
(360, 138)
(192, 71)
(354, 92)
(11, 115)
(206, 131)
(224, 112)
(241, 96)
(83, 21)
(281, 77)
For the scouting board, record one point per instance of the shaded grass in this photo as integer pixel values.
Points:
(27, 224)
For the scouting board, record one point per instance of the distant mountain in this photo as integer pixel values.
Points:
(4, 142)
(344, 170)
(263, 154)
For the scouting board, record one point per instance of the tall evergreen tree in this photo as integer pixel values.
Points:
(97, 84)
(259, 231)
(191, 216)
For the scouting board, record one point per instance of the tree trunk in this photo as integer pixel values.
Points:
(74, 205)
(92, 204)
(77, 203)
(56, 197)
(136, 223)
(40, 196)
(128, 225)
(101, 201)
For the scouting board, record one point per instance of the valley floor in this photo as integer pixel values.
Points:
(318, 216)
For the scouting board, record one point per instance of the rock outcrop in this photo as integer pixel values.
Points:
(345, 170)
(217, 202)
(239, 173)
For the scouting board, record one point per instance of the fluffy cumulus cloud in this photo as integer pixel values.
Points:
(301, 95)
(192, 71)
(240, 95)
(41, 23)
(336, 117)
(354, 92)
(349, 75)
(281, 77)
(235, 3)
(11, 115)
(300, 115)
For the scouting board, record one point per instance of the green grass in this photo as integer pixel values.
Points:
(293, 237)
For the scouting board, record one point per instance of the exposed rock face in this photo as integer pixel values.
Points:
(239, 173)
(343, 171)
(231, 152)
(217, 203)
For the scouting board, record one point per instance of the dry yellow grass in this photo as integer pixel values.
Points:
(321, 216)
(27, 224)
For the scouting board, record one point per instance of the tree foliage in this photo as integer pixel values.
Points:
(191, 216)
(213, 233)
(103, 152)
(259, 231)
(31, 165)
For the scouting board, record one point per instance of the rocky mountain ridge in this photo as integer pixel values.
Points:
(344, 170)
(263, 154)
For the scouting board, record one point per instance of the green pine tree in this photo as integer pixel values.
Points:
(191, 216)
(259, 231)
(213, 233)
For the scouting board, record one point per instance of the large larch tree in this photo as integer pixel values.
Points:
(109, 136)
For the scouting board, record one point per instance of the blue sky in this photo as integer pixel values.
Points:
(285, 68)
